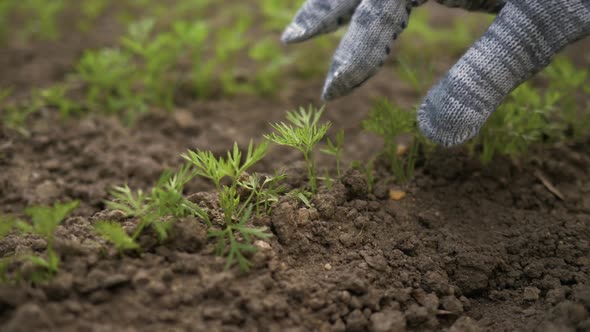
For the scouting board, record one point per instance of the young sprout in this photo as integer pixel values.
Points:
(114, 233)
(44, 223)
(367, 170)
(391, 122)
(303, 133)
(264, 190)
(523, 120)
(238, 248)
(417, 71)
(335, 149)
(236, 213)
(159, 209)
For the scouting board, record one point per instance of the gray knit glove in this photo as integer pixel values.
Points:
(522, 40)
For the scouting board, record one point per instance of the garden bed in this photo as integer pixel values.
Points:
(497, 247)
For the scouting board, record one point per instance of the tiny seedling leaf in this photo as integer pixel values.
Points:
(114, 233)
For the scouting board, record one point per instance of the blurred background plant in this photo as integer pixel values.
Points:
(163, 53)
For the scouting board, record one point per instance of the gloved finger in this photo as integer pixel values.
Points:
(318, 17)
(375, 25)
(489, 6)
(522, 40)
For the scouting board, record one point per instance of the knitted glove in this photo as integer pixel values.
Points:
(521, 41)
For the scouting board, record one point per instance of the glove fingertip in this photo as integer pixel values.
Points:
(294, 33)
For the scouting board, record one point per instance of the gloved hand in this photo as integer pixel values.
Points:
(522, 40)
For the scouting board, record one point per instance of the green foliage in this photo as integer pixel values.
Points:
(160, 208)
(197, 47)
(114, 233)
(137, 75)
(44, 221)
(56, 96)
(367, 170)
(422, 37)
(418, 71)
(109, 78)
(91, 10)
(264, 190)
(38, 19)
(566, 83)
(268, 52)
(536, 116)
(335, 149)
(7, 223)
(303, 196)
(215, 169)
(391, 122)
(226, 238)
(303, 133)
(235, 233)
(524, 119)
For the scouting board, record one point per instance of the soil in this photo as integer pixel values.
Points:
(470, 247)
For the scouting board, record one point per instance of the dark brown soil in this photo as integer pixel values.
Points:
(470, 248)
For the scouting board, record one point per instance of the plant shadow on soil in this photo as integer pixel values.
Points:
(470, 248)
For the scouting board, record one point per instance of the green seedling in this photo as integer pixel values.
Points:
(7, 224)
(115, 234)
(230, 41)
(110, 76)
(142, 72)
(37, 19)
(303, 133)
(523, 120)
(264, 190)
(91, 10)
(14, 116)
(267, 52)
(367, 170)
(569, 83)
(44, 17)
(335, 149)
(44, 222)
(56, 96)
(391, 122)
(277, 13)
(417, 71)
(303, 196)
(156, 210)
(536, 117)
(236, 212)
(423, 38)
(160, 53)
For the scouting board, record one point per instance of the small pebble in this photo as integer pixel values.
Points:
(396, 195)
(262, 245)
(328, 266)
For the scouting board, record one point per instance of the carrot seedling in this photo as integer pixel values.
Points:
(234, 233)
(303, 133)
(44, 223)
(264, 190)
(391, 122)
(158, 209)
(335, 149)
(114, 233)
(525, 118)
